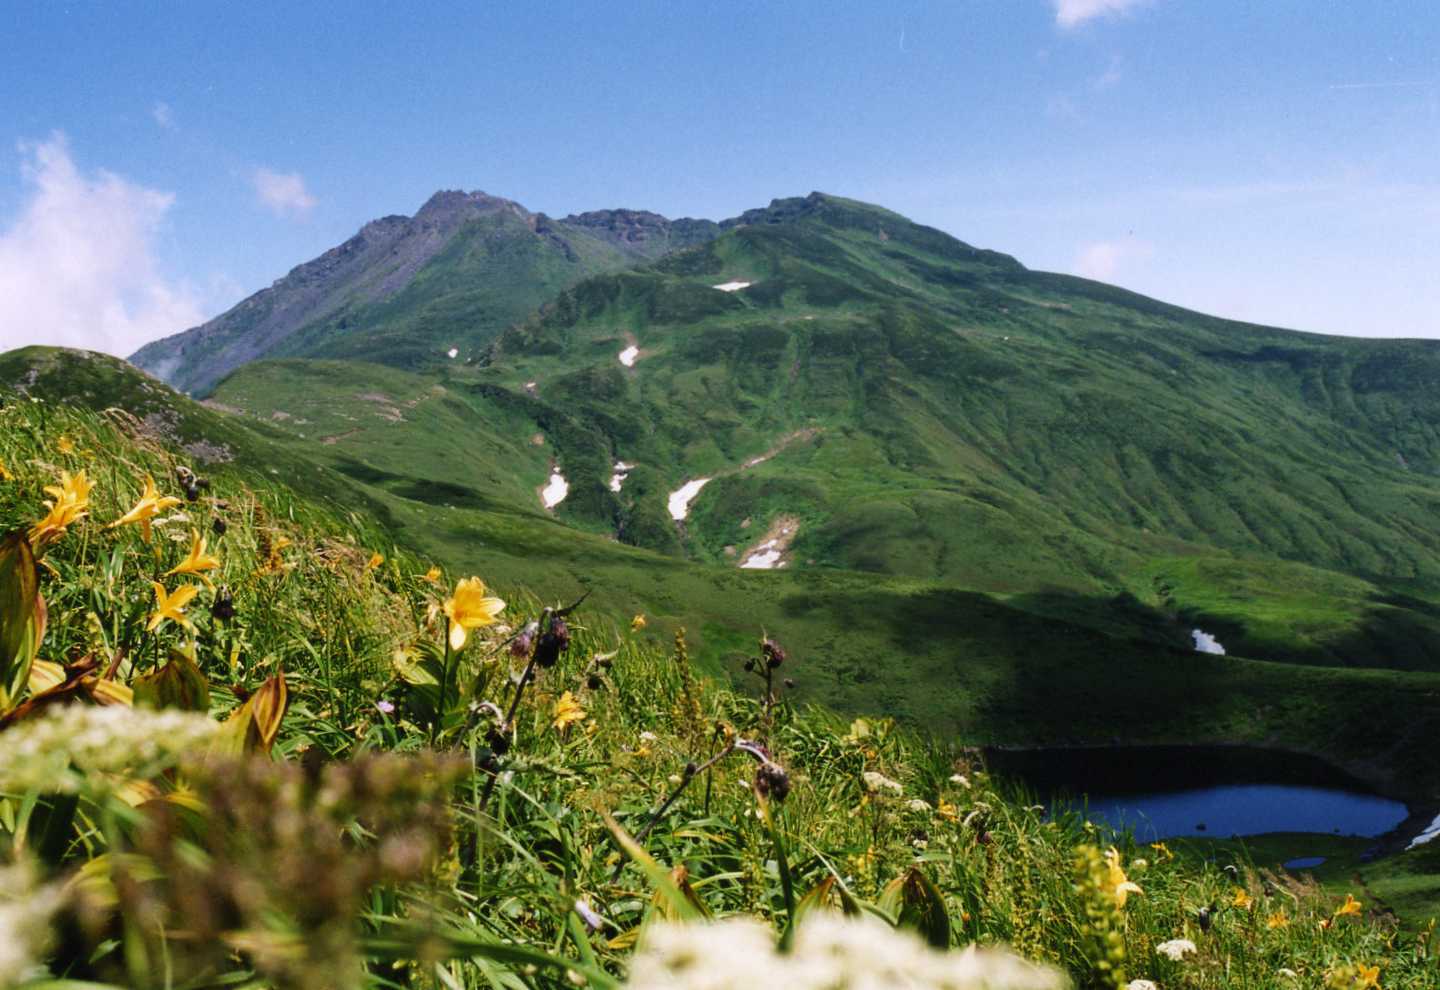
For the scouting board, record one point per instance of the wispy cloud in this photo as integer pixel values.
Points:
(1069, 13)
(283, 193)
(78, 266)
(1107, 260)
(163, 115)
(1110, 78)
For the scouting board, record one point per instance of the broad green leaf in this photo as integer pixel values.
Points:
(179, 684)
(22, 617)
(917, 903)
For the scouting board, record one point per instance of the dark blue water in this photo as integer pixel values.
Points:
(1163, 792)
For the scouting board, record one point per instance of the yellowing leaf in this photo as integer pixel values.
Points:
(178, 684)
(22, 617)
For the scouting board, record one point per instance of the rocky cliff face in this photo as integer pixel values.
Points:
(338, 292)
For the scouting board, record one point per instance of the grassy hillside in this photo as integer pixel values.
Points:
(290, 779)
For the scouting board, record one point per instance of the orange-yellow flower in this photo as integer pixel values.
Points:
(637, 623)
(65, 445)
(567, 711)
(376, 559)
(68, 502)
(5, 475)
(198, 561)
(151, 504)
(1116, 883)
(1367, 977)
(1242, 899)
(432, 575)
(1351, 906)
(1278, 920)
(171, 605)
(1162, 851)
(469, 608)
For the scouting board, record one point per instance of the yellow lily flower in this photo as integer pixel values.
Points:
(68, 502)
(376, 559)
(1116, 883)
(469, 608)
(432, 575)
(1367, 977)
(567, 710)
(1162, 851)
(1242, 899)
(171, 605)
(1351, 906)
(637, 623)
(5, 475)
(197, 562)
(151, 504)
(1278, 920)
(65, 445)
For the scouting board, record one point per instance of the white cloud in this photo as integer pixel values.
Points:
(283, 193)
(1069, 13)
(1104, 260)
(77, 264)
(163, 115)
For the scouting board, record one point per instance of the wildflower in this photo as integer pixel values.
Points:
(1277, 920)
(69, 501)
(376, 559)
(1288, 973)
(773, 652)
(637, 623)
(555, 641)
(1142, 985)
(198, 562)
(567, 711)
(223, 607)
(5, 475)
(593, 921)
(1162, 851)
(77, 745)
(830, 950)
(1176, 949)
(25, 931)
(385, 707)
(468, 609)
(1242, 899)
(524, 640)
(150, 505)
(1351, 906)
(648, 736)
(65, 445)
(877, 783)
(1354, 977)
(1116, 883)
(771, 780)
(432, 575)
(918, 805)
(171, 605)
(947, 811)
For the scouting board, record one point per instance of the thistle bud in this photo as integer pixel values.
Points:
(553, 643)
(691, 769)
(219, 526)
(223, 608)
(774, 653)
(749, 666)
(771, 780)
(524, 640)
(594, 682)
(498, 740)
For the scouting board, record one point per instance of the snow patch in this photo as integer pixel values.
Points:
(622, 471)
(554, 493)
(681, 497)
(764, 557)
(454, 352)
(732, 286)
(1430, 833)
(1205, 643)
(628, 356)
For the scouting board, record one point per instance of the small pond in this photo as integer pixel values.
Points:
(1215, 791)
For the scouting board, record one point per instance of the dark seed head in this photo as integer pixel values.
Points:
(773, 652)
(749, 666)
(219, 526)
(191, 493)
(553, 643)
(594, 682)
(691, 769)
(771, 780)
(498, 741)
(223, 607)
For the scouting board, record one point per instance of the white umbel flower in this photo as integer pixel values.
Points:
(1176, 949)
(73, 747)
(879, 783)
(831, 952)
(25, 933)
(1142, 985)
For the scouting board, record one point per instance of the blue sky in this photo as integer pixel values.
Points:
(1269, 161)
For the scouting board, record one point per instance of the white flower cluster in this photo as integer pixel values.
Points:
(1176, 949)
(878, 782)
(25, 910)
(71, 747)
(831, 952)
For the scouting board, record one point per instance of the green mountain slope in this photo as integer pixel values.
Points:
(407, 291)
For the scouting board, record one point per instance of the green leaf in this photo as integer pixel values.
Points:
(659, 876)
(917, 903)
(22, 616)
(179, 684)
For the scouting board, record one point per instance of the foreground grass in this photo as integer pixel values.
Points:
(339, 799)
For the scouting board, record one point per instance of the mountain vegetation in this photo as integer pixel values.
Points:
(251, 742)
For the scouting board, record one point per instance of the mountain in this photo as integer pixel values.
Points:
(407, 290)
(995, 501)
